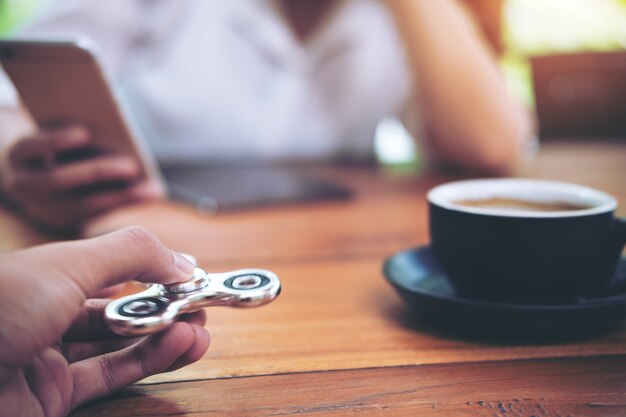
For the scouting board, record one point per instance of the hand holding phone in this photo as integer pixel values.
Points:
(87, 157)
(61, 180)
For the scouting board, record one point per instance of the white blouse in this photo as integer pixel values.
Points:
(228, 80)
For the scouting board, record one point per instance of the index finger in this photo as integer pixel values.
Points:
(59, 277)
(47, 143)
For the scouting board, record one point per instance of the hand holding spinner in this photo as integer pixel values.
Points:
(157, 307)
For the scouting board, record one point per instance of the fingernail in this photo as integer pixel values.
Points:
(155, 189)
(79, 133)
(125, 165)
(183, 263)
(148, 191)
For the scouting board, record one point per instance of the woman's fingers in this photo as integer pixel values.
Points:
(103, 201)
(67, 211)
(44, 146)
(60, 180)
(102, 169)
(105, 374)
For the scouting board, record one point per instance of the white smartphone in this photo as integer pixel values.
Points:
(63, 80)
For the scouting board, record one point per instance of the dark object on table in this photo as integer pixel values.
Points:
(213, 189)
(423, 286)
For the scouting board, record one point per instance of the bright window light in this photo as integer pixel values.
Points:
(393, 143)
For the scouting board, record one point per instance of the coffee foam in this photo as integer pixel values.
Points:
(537, 191)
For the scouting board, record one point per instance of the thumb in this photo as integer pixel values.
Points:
(133, 253)
(42, 289)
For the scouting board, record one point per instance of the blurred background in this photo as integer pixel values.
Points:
(564, 59)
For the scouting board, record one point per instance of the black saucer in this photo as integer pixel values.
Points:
(423, 286)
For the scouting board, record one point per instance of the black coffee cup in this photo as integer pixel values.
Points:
(524, 240)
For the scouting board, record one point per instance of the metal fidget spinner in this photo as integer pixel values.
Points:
(157, 307)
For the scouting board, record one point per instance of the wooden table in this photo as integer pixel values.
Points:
(339, 341)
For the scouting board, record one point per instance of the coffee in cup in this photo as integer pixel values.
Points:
(510, 204)
(523, 240)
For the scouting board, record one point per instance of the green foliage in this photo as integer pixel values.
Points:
(547, 26)
(15, 12)
(537, 27)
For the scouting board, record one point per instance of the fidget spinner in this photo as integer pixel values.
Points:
(158, 306)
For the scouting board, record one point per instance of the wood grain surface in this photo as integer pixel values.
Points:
(339, 340)
(594, 386)
(343, 315)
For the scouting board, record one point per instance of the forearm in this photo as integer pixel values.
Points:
(469, 115)
(15, 124)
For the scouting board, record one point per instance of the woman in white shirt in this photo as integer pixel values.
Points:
(270, 80)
